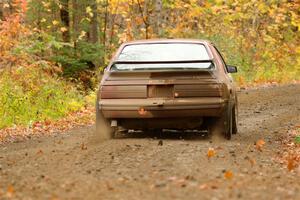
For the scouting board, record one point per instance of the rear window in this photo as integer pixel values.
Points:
(163, 56)
(164, 52)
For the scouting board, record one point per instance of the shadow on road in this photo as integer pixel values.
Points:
(164, 134)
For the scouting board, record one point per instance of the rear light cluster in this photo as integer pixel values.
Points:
(123, 92)
(205, 90)
(162, 91)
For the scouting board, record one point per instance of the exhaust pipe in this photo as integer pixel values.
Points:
(114, 123)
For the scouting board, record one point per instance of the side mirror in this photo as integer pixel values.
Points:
(231, 69)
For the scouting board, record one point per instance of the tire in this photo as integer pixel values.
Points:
(103, 129)
(234, 121)
(228, 123)
(222, 125)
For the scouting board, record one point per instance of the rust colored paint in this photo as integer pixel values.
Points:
(129, 96)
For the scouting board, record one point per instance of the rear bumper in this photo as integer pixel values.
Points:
(162, 108)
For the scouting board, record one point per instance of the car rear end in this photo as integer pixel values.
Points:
(162, 92)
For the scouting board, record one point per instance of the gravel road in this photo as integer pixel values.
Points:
(167, 165)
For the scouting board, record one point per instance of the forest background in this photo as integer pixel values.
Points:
(52, 52)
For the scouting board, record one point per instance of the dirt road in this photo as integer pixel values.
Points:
(69, 166)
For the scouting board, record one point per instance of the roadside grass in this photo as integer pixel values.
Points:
(32, 88)
(297, 139)
(30, 94)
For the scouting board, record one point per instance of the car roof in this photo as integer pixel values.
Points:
(155, 41)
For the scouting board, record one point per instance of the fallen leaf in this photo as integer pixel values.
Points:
(228, 175)
(39, 152)
(252, 161)
(259, 144)
(47, 122)
(181, 182)
(291, 165)
(10, 191)
(108, 186)
(160, 143)
(211, 153)
(83, 146)
(214, 187)
(203, 186)
(172, 178)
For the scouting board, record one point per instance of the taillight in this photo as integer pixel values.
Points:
(123, 92)
(200, 90)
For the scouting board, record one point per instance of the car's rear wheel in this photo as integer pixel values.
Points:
(224, 125)
(228, 124)
(103, 129)
(234, 122)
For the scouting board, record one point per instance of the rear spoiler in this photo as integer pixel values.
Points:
(162, 62)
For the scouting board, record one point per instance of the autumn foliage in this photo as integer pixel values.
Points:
(260, 37)
(31, 89)
(45, 45)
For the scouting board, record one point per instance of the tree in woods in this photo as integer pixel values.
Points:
(263, 34)
(46, 44)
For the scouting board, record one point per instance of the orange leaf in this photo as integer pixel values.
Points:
(252, 161)
(10, 191)
(228, 175)
(211, 152)
(291, 164)
(259, 144)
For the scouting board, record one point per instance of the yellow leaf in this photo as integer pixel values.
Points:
(88, 9)
(55, 22)
(91, 14)
(63, 29)
(82, 35)
(46, 5)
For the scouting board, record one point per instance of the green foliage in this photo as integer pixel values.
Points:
(297, 139)
(84, 56)
(31, 95)
(31, 89)
(229, 48)
(77, 61)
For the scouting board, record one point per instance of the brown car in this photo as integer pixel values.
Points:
(167, 84)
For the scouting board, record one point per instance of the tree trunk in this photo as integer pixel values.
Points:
(76, 20)
(65, 18)
(1, 11)
(94, 27)
(158, 9)
(144, 14)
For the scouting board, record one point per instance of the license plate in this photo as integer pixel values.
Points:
(160, 91)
